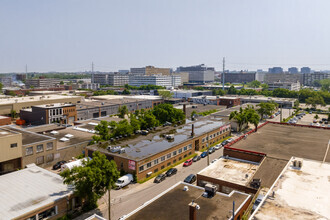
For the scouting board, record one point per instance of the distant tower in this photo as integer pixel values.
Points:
(92, 72)
(26, 75)
(223, 74)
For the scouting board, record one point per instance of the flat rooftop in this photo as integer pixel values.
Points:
(214, 97)
(55, 105)
(141, 147)
(285, 141)
(145, 97)
(78, 137)
(29, 137)
(44, 128)
(231, 170)
(226, 112)
(5, 132)
(35, 98)
(34, 188)
(299, 193)
(173, 204)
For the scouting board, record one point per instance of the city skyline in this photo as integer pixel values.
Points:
(64, 36)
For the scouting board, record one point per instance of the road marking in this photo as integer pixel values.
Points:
(326, 152)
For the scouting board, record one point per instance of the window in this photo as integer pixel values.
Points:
(156, 161)
(13, 145)
(174, 153)
(29, 151)
(203, 140)
(148, 164)
(40, 148)
(162, 158)
(169, 163)
(40, 160)
(48, 213)
(180, 150)
(156, 170)
(50, 146)
(141, 168)
(174, 161)
(190, 146)
(49, 157)
(162, 167)
(185, 148)
(168, 156)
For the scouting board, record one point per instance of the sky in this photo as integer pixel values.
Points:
(68, 35)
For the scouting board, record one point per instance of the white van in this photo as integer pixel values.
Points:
(124, 181)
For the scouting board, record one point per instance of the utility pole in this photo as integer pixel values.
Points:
(281, 113)
(223, 74)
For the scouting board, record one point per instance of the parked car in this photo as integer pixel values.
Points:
(257, 202)
(224, 143)
(190, 179)
(58, 164)
(211, 150)
(144, 132)
(196, 158)
(124, 181)
(230, 140)
(167, 124)
(217, 147)
(204, 154)
(160, 178)
(171, 172)
(187, 163)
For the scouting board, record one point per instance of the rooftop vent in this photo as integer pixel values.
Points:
(297, 163)
(255, 183)
(185, 188)
(210, 190)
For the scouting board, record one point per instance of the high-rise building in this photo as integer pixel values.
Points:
(275, 70)
(240, 77)
(309, 78)
(112, 79)
(305, 70)
(198, 74)
(293, 70)
(151, 70)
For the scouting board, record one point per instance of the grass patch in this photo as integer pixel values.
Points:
(167, 168)
(218, 142)
(207, 112)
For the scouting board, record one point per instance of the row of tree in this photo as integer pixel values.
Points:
(138, 120)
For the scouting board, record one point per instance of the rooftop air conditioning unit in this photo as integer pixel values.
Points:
(211, 190)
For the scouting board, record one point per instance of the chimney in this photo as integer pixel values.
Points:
(184, 109)
(192, 130)
(192, 210)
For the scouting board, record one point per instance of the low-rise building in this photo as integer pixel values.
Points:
(185, 94)
(284, 85)
(35, 193)
(301, 191)
(92, 86)
(46, 114)
(42, 83)
(157, 80)
(240, 77)
(146, 157)
(185, 201)
(198, 74)
(216, 100)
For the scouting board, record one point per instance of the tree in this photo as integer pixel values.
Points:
(61, 83)
(266, 108)
(135, 123)
(296, 104)
(103, 132)
(165, 94)
(239, 117)
(166, 112)
(1, 86)
(126, 92)
(254, 84)
(31, 87)
(122, 128)
(253, 117)
(193, 113)
(264, 86)
(92, 180)
(123, 110)
(316, 117)
(232, 90)
(315, 100)
(13, 114)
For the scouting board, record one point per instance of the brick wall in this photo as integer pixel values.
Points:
(243, 154)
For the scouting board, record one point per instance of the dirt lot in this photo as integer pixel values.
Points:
(284, 141)
(269, 170)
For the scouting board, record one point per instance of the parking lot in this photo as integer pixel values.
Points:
(284, 141)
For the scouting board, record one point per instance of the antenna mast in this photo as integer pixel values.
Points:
(223, 74)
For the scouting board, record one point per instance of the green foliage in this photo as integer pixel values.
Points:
(266, 108)
(254, 84)
(107, 92)
(1, 86)
(314, 101)
(126, 92)
(123, 110)
(166, 112)
(144, 87)
(316, 117)
(232, 90)
(208, 112)
(63, 75)
(123, 127)
(165, 94)
(135, 123)
(245, 116)
(218, 92)
(11, 93)
(264, 86)
(61, 83)
(93, 179)
(103, 132)
(13, 114)
(193, 113)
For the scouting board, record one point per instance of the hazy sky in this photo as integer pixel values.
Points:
(67, 35)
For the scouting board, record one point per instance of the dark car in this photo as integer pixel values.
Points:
(58, 164)
(196, 158)
(159, 178)
(204, 154)
(171, 172)
(190, 179)
(224, 143)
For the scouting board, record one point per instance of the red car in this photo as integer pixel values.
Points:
(187, 163)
